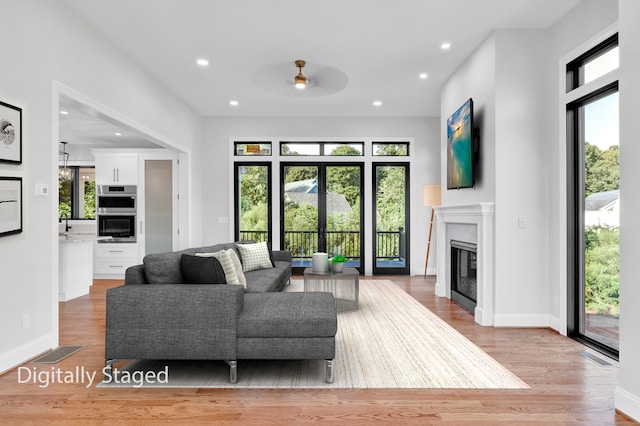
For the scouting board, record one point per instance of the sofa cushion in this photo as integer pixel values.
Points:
(295, 314)
(164, 268)
(254, 256)
(201, 270)
(271, 279)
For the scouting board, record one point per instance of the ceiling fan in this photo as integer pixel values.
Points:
(319, 80)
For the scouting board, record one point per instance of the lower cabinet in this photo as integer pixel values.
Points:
(111, 260)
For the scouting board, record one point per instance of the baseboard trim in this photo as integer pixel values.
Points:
(521, 320)
(24, 353)
(627, 403)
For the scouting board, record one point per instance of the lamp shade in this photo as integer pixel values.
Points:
(431, 195)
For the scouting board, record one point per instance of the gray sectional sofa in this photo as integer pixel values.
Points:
(156, 315)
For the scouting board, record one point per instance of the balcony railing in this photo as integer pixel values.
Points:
(390, 245)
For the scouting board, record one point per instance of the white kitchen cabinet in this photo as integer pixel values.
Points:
(75, 274)
(117, 168)
(113, 259)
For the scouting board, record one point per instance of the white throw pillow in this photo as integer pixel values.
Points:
(237, 266)
(254, 256)
(227, 265)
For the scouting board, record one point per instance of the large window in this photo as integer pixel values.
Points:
(77, 192)
(594, 199)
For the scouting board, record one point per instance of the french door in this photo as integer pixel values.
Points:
(252, 199)
(391, 218)
(322, 211)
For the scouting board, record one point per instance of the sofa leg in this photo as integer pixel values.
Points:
(108, 368)
(233, 371)
(329, 371)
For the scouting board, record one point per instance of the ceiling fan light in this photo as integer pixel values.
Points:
(300, 81)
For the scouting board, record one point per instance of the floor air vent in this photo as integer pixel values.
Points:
(595, 359)
(57, 355)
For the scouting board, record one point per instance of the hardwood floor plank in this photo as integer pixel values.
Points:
(566, 388)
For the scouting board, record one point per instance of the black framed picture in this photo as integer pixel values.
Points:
(10, 134)
(10, 205)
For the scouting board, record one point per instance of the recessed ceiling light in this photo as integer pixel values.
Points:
(234, 103)
(64, 112)
(377, 103)
(202, 62)
(118, 134)
(423, 76)
(445, 46)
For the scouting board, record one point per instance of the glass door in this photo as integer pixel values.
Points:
(252, 200)
(321, 212)
(594, 198)
(598, 220)
(391, 218)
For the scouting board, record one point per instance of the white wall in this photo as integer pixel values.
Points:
(628, 393)
(50, 43)
(474, 79)
(218, 225)
(523, 91)
(509, 87)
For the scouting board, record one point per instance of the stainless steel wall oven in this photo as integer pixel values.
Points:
(116, 213)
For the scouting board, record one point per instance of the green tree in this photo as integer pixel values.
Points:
(602, 169)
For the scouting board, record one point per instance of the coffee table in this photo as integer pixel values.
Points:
(343, 285)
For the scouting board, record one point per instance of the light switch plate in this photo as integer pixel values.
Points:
(42, 190)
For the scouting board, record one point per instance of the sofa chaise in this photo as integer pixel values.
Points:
(157, 315)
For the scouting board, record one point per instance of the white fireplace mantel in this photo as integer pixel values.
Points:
(482, 216)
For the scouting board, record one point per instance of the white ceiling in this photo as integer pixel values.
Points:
(357, 51)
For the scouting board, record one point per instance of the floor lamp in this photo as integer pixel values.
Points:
(431, 196)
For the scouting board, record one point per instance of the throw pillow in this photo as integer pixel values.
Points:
(227, 265)
(254, 256)
(237, 266)
(199, 270)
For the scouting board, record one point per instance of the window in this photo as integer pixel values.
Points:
(243, 149)
(77, 192)
(593, 64)
(322, 148)
(394, 149)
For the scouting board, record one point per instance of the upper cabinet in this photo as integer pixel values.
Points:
(114, 168)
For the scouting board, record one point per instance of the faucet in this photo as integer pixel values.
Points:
(66, 225)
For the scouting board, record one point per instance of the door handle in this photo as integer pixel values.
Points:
(114, 174)
(141, 228)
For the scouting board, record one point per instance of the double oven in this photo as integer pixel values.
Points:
(116, 213)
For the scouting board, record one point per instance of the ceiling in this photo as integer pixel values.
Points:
(357, 51)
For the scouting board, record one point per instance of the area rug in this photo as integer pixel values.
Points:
(391, 341)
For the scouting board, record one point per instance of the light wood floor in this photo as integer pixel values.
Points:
(566, 388)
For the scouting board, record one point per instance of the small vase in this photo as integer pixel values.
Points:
(338, 267)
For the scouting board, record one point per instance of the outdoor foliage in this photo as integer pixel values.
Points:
(602, 256)
(602, 269)
(343, 227)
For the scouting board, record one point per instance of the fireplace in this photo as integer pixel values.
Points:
(464, 265)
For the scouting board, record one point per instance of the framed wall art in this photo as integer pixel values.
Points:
(10, 205)
(10, 134)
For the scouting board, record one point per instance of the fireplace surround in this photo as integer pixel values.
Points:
(472, 224)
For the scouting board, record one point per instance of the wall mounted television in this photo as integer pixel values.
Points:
(461, 148)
